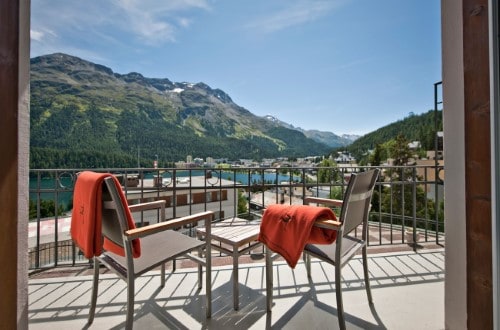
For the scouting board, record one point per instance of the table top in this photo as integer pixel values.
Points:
(234, 232)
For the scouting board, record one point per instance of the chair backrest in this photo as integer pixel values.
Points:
(357, 199)
(114, 219)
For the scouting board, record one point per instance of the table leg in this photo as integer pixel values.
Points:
(236, 293)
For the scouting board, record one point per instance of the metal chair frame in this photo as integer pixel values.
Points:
(355, 209)
(159, 244)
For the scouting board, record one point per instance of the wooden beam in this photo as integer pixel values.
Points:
(477, 167)
(9, 36)
(14, 149)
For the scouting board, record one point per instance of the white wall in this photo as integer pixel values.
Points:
(454, 154)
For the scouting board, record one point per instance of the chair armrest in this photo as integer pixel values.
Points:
(328, 224)
(171, 224)
(160, 204)
(147, 206)
(324, 201)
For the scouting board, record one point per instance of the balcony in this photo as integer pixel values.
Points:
(408, 287)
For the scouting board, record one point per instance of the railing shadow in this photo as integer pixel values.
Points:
(64, 302)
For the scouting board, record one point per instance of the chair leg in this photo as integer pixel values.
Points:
(162, 274)
(93, 299)
(208, 278)
(367, 279)
(338, 292)
(200, 277)
(130, 301)
(307, 262)
(200, 270)
(269, 279)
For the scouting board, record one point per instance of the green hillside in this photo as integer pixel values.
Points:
(85, 115)
(413, 128)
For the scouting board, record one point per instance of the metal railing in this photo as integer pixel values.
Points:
(406, 206)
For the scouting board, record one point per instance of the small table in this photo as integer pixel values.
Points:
(234, 233)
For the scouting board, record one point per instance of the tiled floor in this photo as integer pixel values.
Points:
(408, 291)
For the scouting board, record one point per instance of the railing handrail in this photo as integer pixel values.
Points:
(398, 199)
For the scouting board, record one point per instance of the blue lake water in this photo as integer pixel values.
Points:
(63, 187)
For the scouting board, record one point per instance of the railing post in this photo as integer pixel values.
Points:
(174, 194)
(38, 217)
(56, 227)
(304, 183)
(436, 161)
(402, 183)
(414, 208)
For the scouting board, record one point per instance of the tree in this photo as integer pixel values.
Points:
(400, 151)
(377, 156)
(242, 202)
(47, 209)
(328, 171)
(398, 199)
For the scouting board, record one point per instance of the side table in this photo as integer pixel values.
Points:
(228, 237)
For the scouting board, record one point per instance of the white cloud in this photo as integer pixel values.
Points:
(184, 22)
(295, 13)
(147, 21)
(42, 35)
(36, 35)
(154, 20)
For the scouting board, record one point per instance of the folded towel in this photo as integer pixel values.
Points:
(286, 229)
(86, 218)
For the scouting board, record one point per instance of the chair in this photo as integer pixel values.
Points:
(158, 244)
(355, 209)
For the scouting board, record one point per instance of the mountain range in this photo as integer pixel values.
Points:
(328, 138)
(83, 114)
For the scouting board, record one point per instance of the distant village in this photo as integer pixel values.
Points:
(342, 159)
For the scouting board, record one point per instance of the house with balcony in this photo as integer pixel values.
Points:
(189, 195)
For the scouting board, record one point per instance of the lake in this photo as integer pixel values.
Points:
(62, 189)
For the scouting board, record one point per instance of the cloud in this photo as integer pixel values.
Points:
(295, 13)
(42, 35)
(184, 22)
(147, 21)
(353, 64)
(156, 20)
(36, 35)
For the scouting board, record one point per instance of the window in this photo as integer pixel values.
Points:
(181, 200)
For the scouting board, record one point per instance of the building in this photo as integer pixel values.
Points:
(192, 195)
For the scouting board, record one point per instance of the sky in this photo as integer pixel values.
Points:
(341, 66)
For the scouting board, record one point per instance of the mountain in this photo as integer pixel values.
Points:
(414, 128)
(350, 137)
(328, 138)
(85, 115)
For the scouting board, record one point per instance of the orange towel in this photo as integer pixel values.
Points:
(87, 213)
(286, 229)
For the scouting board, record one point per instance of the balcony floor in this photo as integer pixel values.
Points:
(407, 288)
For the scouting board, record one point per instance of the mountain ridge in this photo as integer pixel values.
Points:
(330, 139)
(80, 105)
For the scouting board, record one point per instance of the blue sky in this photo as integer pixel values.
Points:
(343, 66)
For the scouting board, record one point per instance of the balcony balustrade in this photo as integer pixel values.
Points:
(406, 207)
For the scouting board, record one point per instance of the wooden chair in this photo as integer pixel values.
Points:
(354, 213)
(159, 244)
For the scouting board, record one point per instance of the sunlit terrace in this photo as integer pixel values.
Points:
(406, 255)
